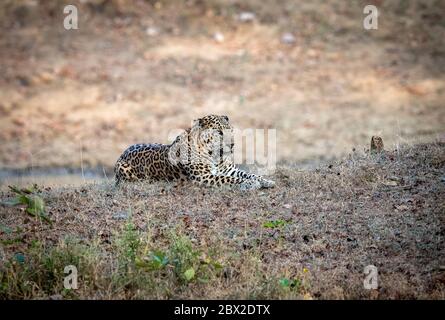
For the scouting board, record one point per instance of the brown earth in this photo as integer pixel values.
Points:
(319, 228)
(132, 74)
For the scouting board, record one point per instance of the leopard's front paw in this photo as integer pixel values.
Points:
(267, 183)
(250, 185)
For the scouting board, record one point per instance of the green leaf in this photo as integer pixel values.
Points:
(203, 280)
(293, 284)
(35, 204)
(24, 200)
(141, 263)
(296, 283)
(15, 189)
(189, 274)
(156, 261)
(284, 282)
(217, 265)
(11, 241)
(159, 259)
(5, 229)
(11, 203)
(274, 224)
(38, 204)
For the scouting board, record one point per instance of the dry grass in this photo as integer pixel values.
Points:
(310, 237)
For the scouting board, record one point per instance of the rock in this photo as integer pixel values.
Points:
(390, 183)
(152, 31)
(288, 38)
(246, 16)
(122, 215)
(402, 207)
(218, 37)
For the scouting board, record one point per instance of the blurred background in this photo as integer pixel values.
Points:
(134, 70)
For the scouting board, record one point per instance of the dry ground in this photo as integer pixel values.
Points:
(310, 237)
(132, 73)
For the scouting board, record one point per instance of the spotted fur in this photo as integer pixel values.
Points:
(201, 154)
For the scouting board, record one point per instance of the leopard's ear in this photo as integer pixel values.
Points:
(226, 118)
(197, 122)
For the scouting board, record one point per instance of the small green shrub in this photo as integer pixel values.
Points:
(272, 224)
(128, 244)
(35, 206)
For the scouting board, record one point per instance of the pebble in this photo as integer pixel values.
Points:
(402, 208)
(120, 215)
(246, 16)
(152, 31)
(288, 38)
(218, 37)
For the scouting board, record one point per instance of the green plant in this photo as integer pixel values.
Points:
(274, 224)
(184, 258)
(290, 284)
(181, 258)
(189, 274)
(35, 206)
(156, 260)
(9, 232)
(128, 244)
(41, 269)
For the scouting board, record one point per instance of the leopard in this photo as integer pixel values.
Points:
(201, 154)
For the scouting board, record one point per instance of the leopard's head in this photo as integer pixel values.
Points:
(213, 137)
